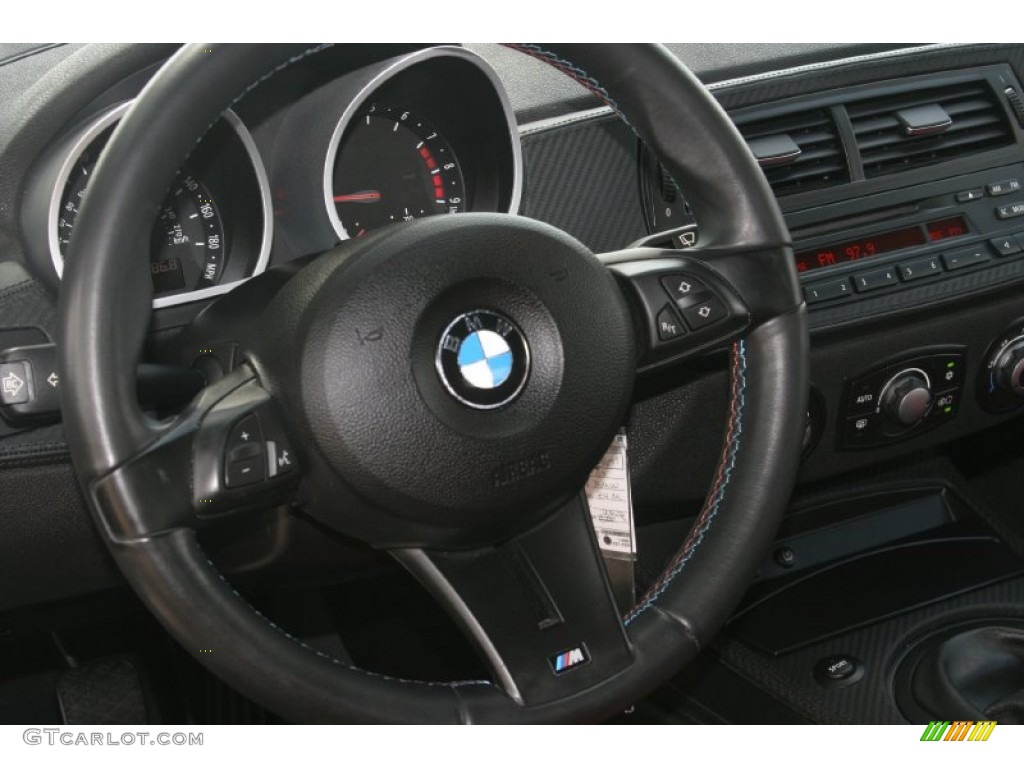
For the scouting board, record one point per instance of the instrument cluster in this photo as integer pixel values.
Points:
(298, 166)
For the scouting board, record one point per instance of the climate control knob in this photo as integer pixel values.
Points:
(1008, 366)
(907, 397)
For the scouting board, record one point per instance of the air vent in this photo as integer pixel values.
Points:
(798, 152)
(890, 140)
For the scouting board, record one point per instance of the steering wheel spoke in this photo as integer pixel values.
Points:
(227, 453)
(538, 608)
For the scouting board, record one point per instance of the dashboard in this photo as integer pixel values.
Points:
(898, 169)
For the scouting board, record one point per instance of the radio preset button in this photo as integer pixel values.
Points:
(825, 291)
(915, 270)
(870, 281)
(1005, 245)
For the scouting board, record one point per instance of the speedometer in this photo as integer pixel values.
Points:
(188, 240)
(214, 228)
(187, 244)
(392, 165)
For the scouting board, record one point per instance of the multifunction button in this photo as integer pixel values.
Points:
(669, 327)
(683, 287)
(694, 306)
(252, 455)
(687, 307)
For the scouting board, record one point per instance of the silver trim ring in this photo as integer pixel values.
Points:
(386, 74)
(104, 121)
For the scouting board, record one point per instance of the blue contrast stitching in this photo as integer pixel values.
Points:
(716, 502)
(578, 74)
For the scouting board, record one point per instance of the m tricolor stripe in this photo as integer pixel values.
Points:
(574, 657)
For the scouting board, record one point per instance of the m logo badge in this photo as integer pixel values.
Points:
(566, 660)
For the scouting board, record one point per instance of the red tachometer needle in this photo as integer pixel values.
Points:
(367, 196)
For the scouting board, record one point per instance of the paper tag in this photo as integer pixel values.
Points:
(611, 504)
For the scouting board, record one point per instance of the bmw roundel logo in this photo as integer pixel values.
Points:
(483, 359)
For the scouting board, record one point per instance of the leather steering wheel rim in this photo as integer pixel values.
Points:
(105, 300)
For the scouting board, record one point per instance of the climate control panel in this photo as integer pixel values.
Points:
(1001, 378)
(903, 398)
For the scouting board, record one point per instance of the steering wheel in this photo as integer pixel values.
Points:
(362, 372)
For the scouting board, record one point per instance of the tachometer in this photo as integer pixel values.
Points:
(393, 166)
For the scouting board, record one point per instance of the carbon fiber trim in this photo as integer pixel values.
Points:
(879, 647)
(866, 69)
(583, 179)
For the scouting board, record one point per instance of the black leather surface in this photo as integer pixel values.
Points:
(51, 549)
(972, 674)
(104, 299)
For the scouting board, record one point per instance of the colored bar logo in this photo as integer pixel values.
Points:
(566, 660)
(958, 730)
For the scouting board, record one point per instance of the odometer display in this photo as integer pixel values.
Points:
(167, 275)
(391, 166)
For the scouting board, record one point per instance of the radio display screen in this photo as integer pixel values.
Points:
(884, 242)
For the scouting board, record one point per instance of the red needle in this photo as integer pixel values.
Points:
(369, 196)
